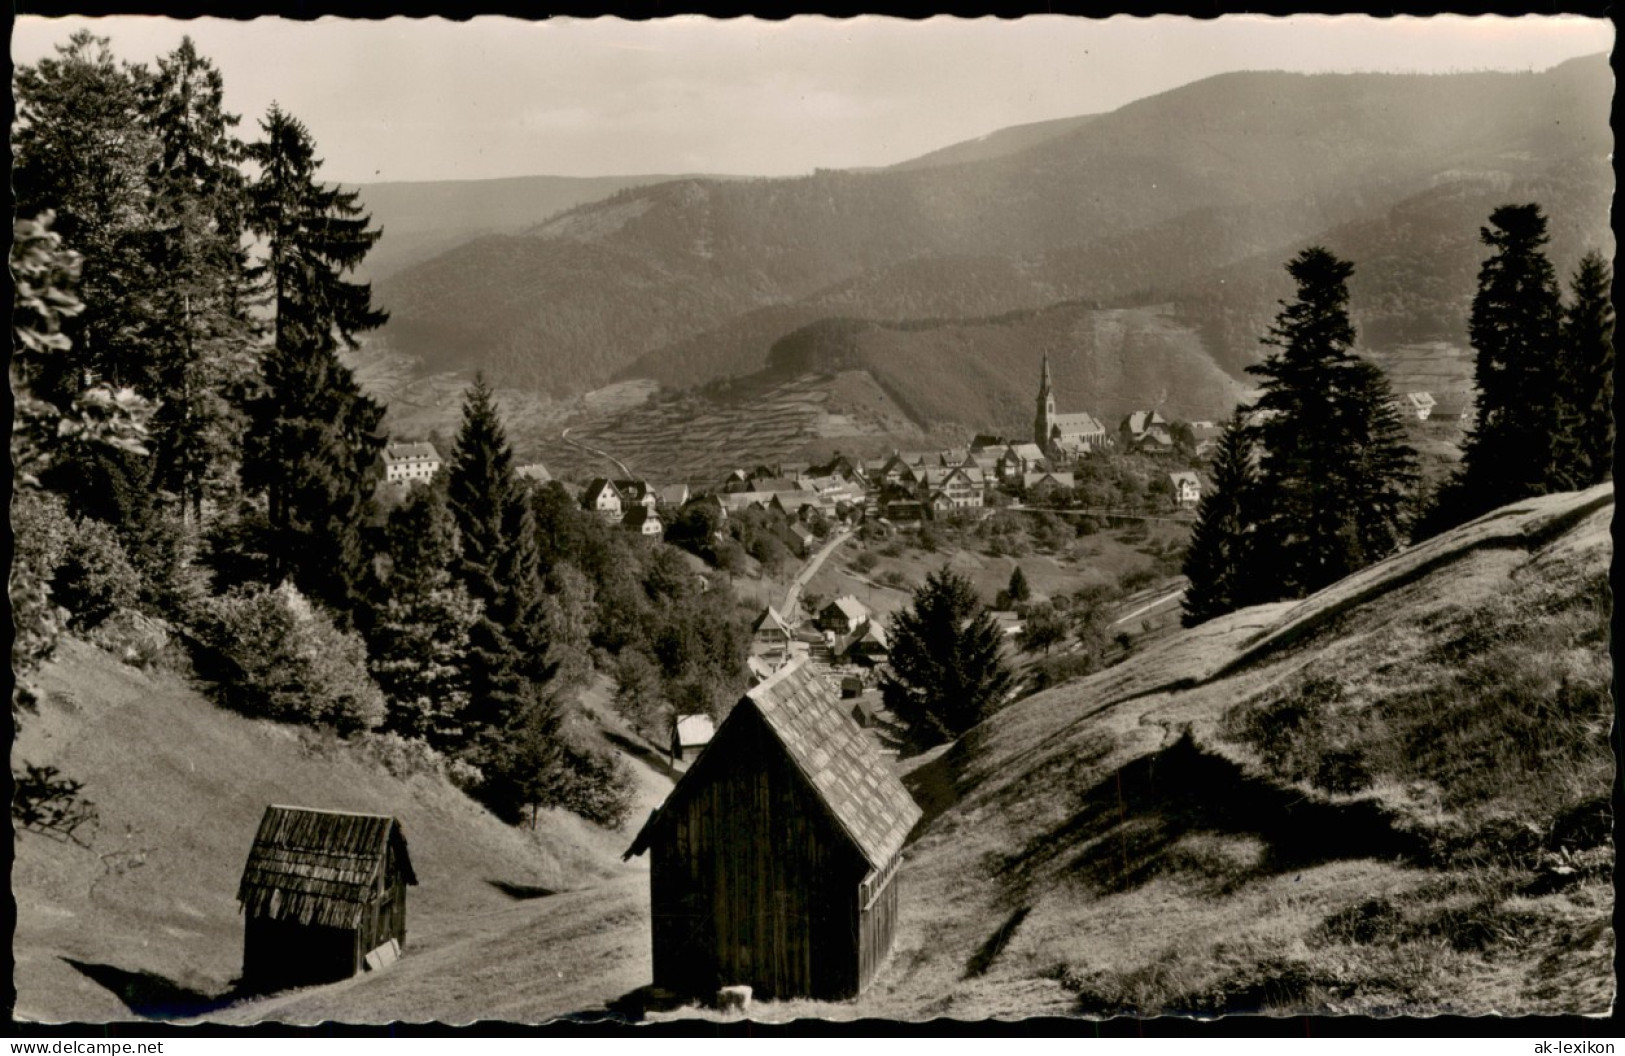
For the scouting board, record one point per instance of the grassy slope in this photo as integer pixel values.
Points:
(149, 910)
(1087, 856)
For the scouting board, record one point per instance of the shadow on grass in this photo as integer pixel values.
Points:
(983, 958)
(634, 1005)
(151, 996)
(648, 756)
(521, 892)
(1126, 828)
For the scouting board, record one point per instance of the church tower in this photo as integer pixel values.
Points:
(1046, 409)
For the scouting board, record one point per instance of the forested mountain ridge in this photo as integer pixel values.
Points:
(1180, 177)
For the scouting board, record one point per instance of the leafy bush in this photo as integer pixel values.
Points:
(94, 578)
(280, 658)
(866, 561)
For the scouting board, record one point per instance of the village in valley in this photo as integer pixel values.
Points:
(387, 658)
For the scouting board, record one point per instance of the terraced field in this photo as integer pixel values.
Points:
(700, 437)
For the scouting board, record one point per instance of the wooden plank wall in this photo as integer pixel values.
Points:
(751, 882)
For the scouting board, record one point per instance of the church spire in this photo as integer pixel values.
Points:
(1045, 416)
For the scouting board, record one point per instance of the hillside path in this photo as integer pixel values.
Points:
(626, 472)
(814, 563)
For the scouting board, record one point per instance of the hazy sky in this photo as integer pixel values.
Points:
(432, 99)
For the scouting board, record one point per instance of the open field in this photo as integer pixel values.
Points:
(1434, 837)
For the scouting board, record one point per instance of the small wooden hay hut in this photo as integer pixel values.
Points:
(773, 863)
(322, 890)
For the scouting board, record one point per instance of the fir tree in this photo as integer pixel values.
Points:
(1514, 331)
(198, 325)
(947, 671)
(420, 642)
(1334, 471)
(80, 150)
(1586, 387)
(314, 444)
(1018, 589)
(1219, 562)
(499, 562)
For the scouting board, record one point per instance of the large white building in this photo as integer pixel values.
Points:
(404, 463)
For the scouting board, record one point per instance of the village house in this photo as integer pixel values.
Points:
(636, 493)
(323, 896)
(671, 497)
(1187, 488)
(843, 615)
(1206, 436)
(988, 442)
(533, 471)
(405, 463)
(1069, 434)
(1046, 487)
(735, 501)
(644, 521)
(690, 733)
(1020, 459)
(1416, 405)
(1453, 407)
(1146, 431)
(868, 645)
(770, 635)
(602, 498)
(774, 861)
(799, 538)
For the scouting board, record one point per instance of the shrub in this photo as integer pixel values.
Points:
(280, 658)
(94, 579)
(866, 561)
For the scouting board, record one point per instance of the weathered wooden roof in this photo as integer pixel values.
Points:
(804, 712)
(319, 866)
(694, 731)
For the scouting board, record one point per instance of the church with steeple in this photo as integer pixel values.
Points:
(1063, 434)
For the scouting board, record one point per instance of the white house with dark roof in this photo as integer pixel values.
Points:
(405, 463)
(1187, 487)
(604, 499)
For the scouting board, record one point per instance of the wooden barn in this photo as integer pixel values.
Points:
(773, 863)
(324, 895)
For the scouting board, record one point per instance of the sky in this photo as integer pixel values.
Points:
(430, 99)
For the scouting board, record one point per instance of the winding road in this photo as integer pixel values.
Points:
(626, 472)
(814, 563)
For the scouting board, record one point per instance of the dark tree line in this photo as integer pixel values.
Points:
(192, 449)
(1315, 481)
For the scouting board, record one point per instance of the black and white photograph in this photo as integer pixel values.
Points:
(744, 521)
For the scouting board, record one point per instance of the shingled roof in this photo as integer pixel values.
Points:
(803, 711)
(319, 866)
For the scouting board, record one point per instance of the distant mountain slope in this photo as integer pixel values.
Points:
(422, 219)
(997, 144)
(575, 300)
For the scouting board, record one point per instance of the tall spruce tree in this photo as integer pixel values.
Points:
(1586, 385)
(1219, 562)
(1511, 452)
(1334, 470)
(947, 671)
(81, 150)
(498, 564)
(314, 443)
(198, 326)
(419, 643)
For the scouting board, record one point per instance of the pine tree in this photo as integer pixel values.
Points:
(1586, 384)
(1018, 589)
(1334, 469)
(1514, 331)
(198, 324)
(1219, 562)
(947, 671)
(314, 443)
